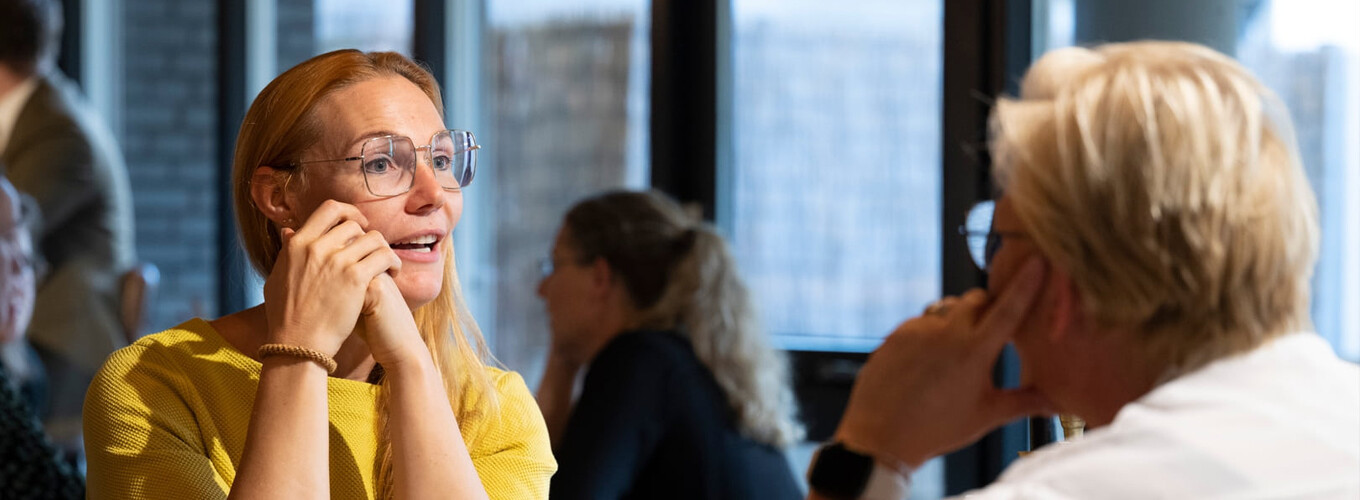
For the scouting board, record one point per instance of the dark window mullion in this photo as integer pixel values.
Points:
(430, 37)
(986, 49)
(685, 116)
(69, 55)
(231, 108)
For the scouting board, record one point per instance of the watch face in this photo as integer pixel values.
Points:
(840, 473)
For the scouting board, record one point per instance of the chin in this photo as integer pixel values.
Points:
(420, 289)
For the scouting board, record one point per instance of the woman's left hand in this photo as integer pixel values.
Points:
(389, 328)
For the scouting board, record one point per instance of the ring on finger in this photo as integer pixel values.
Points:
(939, 307)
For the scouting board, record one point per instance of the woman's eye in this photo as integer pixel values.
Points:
(441, 163)
(377, 166)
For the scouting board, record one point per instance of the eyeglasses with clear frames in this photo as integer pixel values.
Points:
(388, 163)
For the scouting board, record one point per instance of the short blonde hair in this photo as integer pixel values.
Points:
(1164, 179)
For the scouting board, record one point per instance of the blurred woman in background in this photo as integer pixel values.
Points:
(684, 397)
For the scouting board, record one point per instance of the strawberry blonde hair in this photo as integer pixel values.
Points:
(279, 127)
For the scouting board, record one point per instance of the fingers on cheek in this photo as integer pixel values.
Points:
(907, 328)
(971, 303)
(975, 297)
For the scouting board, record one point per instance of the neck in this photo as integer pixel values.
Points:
(9, 80)
(620, 317)
(1108, 374)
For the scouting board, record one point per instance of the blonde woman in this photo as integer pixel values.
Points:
(683, 397)
(1150, 261)
(361, 375)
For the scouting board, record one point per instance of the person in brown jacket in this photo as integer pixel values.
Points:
(56, 150)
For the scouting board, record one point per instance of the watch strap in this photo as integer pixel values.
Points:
(886, 483)
(840, 473)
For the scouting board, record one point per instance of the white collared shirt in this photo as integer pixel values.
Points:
(11, 105)
(1281, 421)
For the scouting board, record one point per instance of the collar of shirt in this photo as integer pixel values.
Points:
(10, 106)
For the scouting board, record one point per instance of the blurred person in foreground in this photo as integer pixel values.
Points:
(30, 467)
(23, 269)
(362, 374)
(1150, 260)
(57, 150)
(683, 395)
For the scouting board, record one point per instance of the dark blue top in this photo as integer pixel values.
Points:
(30, 467)
(652, 422)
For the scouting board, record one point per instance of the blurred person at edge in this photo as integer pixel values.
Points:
(362, 375)
(57, 150)
(1150, 260)
(19, 221)
(683, 395)
(33, 468)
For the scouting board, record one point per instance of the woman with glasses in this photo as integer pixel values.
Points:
(683, 397)
(362, 374)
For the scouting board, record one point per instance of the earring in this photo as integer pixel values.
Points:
(288, 222)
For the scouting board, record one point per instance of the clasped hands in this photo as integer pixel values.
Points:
(329, 274)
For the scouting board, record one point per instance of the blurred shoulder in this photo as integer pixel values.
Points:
(648, 346)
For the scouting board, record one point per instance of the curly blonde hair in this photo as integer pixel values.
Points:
(680, 275)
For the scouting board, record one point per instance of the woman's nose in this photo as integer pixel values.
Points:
(425, 188)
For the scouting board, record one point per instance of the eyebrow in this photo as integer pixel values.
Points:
(373, 134)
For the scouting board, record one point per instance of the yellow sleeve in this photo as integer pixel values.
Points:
(141, 440)
(512, 453)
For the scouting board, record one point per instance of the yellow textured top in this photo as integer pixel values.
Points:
(166, 417)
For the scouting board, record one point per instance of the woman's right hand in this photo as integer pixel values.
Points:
(928, 389)
(316, 289)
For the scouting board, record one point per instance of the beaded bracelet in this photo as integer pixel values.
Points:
(319, 357)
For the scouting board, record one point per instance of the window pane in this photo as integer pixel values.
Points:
(566, 116)
(364, 25)
(1308, 52)
(836, 188)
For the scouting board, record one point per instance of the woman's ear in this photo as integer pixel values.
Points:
(601, 276)
(1067, 310)
(271, 197)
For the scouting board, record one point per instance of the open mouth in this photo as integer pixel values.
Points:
(421, 244)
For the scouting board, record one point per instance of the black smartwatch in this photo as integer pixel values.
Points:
(840, 473)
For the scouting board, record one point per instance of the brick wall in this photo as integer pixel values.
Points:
(169, 130)
(168, 138)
